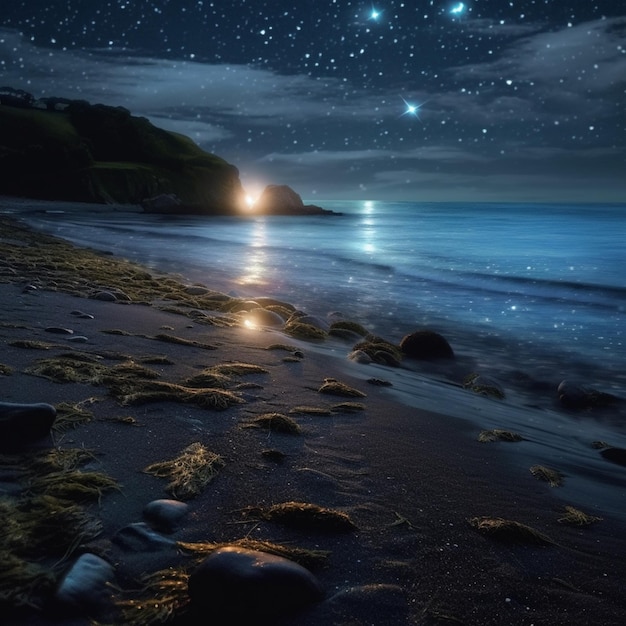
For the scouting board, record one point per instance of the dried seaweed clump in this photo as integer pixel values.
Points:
(498, 434)
(304, 516)
(551, 476)
(190, 472)
(484, 386)
(183, 342)
(348, 407)
(65, 369)
(73, 485)
(70, 416)
(576, 517)
(302, 556)
(162, 598)
(276, 422)
(380, 351)
(156, 391)
(334, 387)
(310, 410)
(509, 531)
(238, 369)
(5, 370)
(301, 330)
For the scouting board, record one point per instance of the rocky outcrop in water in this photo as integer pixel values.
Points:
(283, 200)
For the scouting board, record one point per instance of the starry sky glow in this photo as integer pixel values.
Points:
(484, 100)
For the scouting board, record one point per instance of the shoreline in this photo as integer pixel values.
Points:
(411, 478)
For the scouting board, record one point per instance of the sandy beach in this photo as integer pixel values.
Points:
(414, 483)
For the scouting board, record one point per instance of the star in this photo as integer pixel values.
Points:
(375, 14)
(412, 109)
(458, 9)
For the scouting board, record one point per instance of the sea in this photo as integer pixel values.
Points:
(526, 294)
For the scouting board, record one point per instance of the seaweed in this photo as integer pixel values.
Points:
(348, 407)
(275, 422)
(5, 370)
(334, 387)
(498, 434)
(183, 342)
(551, 476)
(311, 410)
(304, 516)
(509, 531)
(576, 517)
(301, 330)
(70, 416)
(190, 472)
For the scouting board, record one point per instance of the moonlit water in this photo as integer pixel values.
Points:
(515, 285)
(536, 291)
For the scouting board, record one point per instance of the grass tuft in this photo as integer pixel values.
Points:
(576, 517)
(551, 476)
(497, 434)
(336, 388)
(509, 531)
(275, 422)
(304, 516)
(190, 472)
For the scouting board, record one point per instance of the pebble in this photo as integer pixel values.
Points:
(139, 537)
(86, 584)
(58, 330)
(104, 296)
(21, 424)
(237, 583)
(81, 315)
(78, 339)
(164, 515)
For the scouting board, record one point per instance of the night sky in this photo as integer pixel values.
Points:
(419, 100)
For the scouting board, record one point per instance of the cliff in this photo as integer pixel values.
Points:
(59, 149)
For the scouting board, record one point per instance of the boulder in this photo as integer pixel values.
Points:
(240, 584)
(164, 515)
(577, 396)
(426, 345)
(283, 200)
(22, 424)
(87, 583)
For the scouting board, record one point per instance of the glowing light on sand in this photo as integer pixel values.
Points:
(250, 324)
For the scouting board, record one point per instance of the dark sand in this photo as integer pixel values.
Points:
(410, 480)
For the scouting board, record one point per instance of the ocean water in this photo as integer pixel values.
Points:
(523, 292)
(515, 285)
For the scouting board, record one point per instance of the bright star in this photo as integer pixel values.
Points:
(412, 109)
(457, 9)
(374, 14)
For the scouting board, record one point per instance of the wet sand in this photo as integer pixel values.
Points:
(410, 479)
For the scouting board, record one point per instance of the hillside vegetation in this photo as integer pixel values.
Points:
(98, 153)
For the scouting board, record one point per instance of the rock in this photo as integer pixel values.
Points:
(573, 395)
(615, 455)
(139, 537)
(78, 339)
(81, 315)
(104, 296)
(246, 584)
(22, 424)
(283, 200)
(59, 331)
(360, 356)
(426, 345)
(263, 317)
(164, 515)
(197, 290)
(86, 584)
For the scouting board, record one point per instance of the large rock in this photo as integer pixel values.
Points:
(283, 200)
(23, 424)
(235, 583)
(578, 396)
(426, 345)
(87, 583)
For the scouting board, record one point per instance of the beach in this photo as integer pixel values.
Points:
(415, 483)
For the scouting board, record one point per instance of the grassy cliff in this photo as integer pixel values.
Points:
(97, 153)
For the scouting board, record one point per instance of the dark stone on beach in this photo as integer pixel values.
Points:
(139, 537)
(81, 315)
(22, 424)
(236, 583)
(87, 583)
(484, 386)
(57, 330)
(104, 296)
(573, 395)
(165, 515)
(78, 339)
(615, 455)
(379, 382)
(426, 345)
(283, 200)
